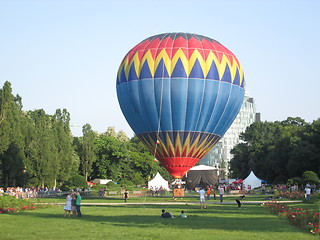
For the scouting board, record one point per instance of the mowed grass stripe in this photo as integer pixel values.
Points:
(144, 222)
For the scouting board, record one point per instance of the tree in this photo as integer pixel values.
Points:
(42, 151)
(67, 160)
(88, 150)
(121, 136)
(278, 151)
(11, 138)
(13, 166)
(111, 132)
(239, 164)
(250, 154)
(111, 158)
(151, 167)
(125, 162)
(310, 177)
(7, 105)
(313, 138)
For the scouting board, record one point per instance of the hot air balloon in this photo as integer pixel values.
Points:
(180, 92)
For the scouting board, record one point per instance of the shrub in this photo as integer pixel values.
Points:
(125, 183)
(76, 181)
(138, 179)
(11, 204)
(295, 180)
(310, 177)
(111, 185)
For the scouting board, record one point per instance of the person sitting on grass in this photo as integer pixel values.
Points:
(166, 214)
(238, 200)
(182, 215)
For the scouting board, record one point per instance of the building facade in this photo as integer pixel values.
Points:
(220, 156)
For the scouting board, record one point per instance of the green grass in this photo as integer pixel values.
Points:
(191, 196)
(144, 222)
(143, 199)
(305, 205)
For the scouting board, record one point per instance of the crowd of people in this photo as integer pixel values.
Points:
(222, 189)
(157, 191)
(29, 192)
(205, 194)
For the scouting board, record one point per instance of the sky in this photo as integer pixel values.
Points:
(65, 54)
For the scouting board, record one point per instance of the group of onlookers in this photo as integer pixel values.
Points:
(155, 191)
(73, 200)
(30, 192)
(73, 204)
(20, 192)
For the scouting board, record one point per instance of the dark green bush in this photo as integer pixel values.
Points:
(76, 181)
(12, 204)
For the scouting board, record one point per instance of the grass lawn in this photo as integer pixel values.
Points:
(147, 199)
(144, 222)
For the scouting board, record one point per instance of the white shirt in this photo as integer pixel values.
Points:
(308, 191)
(202, 192)
(221, 191)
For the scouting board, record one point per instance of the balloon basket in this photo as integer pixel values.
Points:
(178, 192)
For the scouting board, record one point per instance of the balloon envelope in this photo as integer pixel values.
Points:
(180, 92)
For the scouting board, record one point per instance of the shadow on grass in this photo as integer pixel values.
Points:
(253, 218)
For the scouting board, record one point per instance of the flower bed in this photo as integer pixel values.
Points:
(303, 218)
(11, 204)
(291, 195)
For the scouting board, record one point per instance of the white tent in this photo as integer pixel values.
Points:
(101, 181)
(252, 180)
(157, 182)
(202, 167)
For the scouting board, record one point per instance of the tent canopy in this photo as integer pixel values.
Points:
(202, 167)
(252, 180)
(158, 182)
(238, 181)
(101, 181)
(201, 175)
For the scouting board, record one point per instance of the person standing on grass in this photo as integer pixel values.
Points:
(208, 192)
(263, 189)
(221, 192)
(73, 204)
(78, 204)
(202, 194)
(308, 192)
(68, 207)
(214, 193)
(126, 195)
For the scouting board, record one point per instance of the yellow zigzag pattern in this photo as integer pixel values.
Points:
(170, 148)
(188, 64)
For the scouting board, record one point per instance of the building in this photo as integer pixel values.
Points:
(220, 155)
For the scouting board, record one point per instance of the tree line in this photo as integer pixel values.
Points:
(38, 149)
(278, 151)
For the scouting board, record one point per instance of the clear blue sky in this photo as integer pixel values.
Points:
(65, 54)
